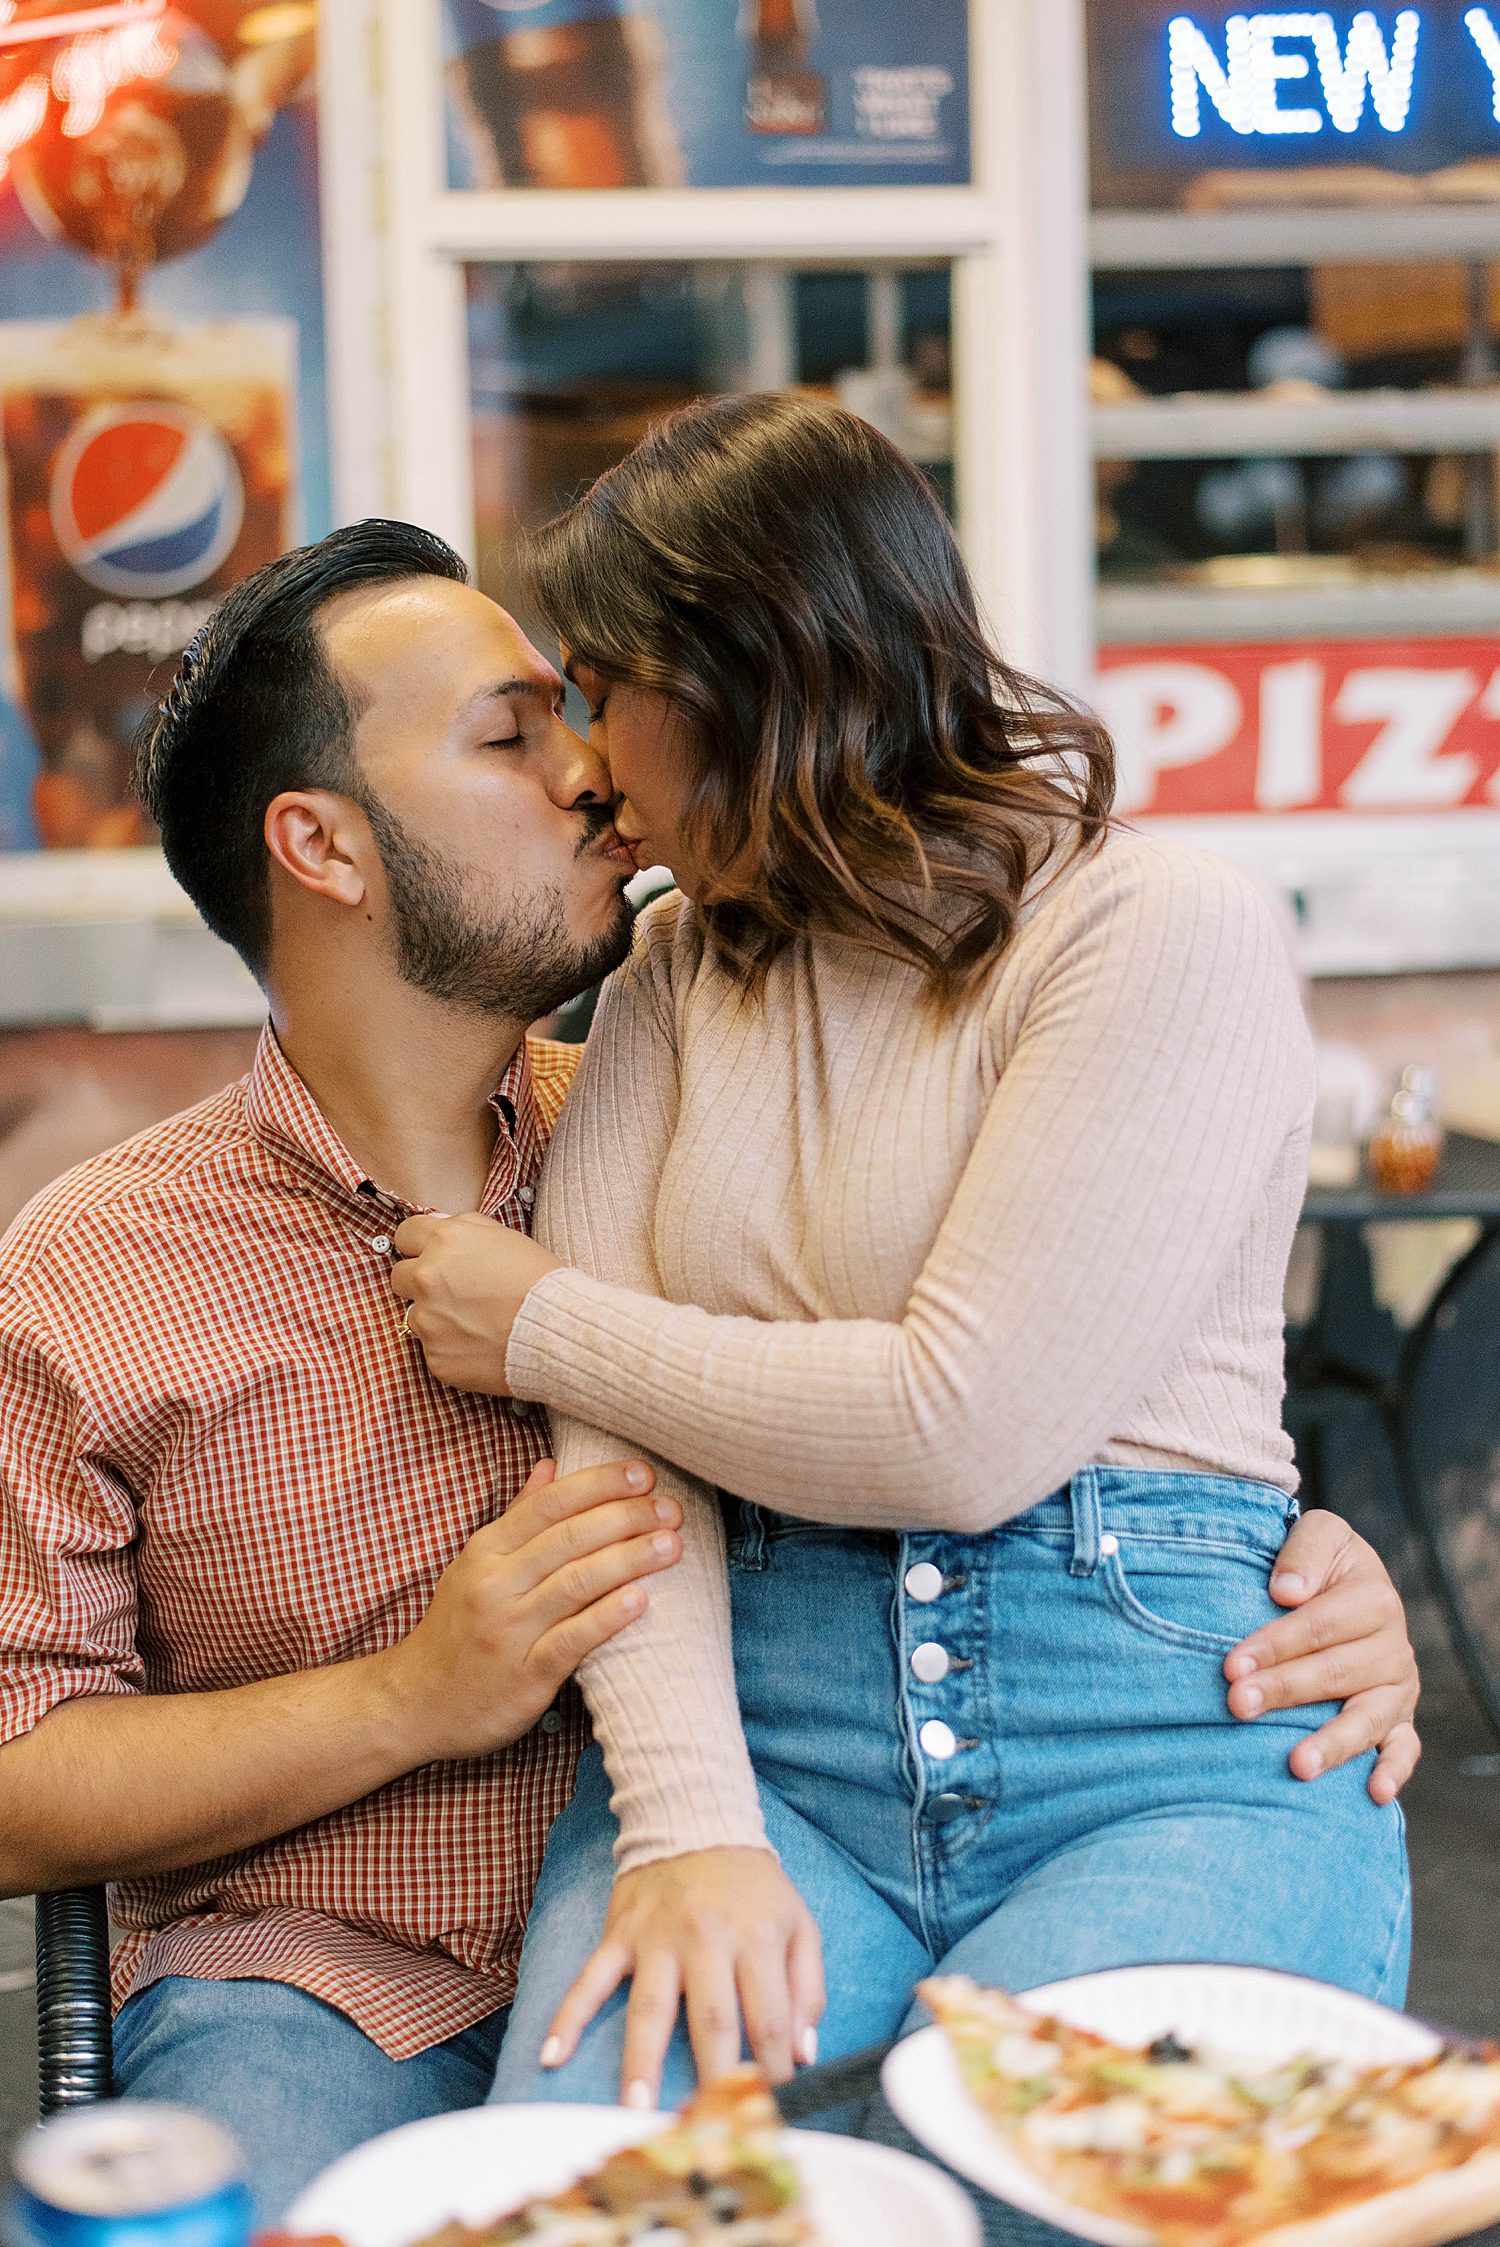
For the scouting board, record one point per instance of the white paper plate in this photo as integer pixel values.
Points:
(1242, 2010)
(476, 2164)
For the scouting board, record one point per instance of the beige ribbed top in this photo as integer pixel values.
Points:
(868, 1263)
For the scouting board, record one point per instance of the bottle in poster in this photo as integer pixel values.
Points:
(145, 470)
(782, 93)
(562, 93)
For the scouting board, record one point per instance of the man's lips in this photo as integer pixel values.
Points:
(613, 847)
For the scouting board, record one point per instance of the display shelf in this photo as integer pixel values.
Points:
(1207, 426)
(1414, 605)
(108, 938)
(1393, 234)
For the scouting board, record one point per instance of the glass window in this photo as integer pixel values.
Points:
(572, 363)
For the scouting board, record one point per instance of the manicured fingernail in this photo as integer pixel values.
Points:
(665, 1510)
(664, 1544)
(1252, 1700)
(807, 2047)
(1312, 1763)
(638, 1477)
(551, 2051)
(1288, 1586)
(1240, 1665)
(637, 2095)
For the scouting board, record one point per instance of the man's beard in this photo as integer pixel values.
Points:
(522, 965)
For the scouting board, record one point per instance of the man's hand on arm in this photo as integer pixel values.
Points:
(112, 1785)
(721, 1931)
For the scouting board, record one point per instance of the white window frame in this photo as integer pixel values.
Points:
(1016, 239)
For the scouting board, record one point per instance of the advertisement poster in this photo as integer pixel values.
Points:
(707, 93)
(163, 424)
(1342, 725)
(1202, 104)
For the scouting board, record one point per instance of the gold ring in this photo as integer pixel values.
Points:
(405, 1326)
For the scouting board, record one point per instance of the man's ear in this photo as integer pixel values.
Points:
(320, 841)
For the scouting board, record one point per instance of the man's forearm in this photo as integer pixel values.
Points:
(113, 1785)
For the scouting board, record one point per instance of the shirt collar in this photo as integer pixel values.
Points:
(283, 1113)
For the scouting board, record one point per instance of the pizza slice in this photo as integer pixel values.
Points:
(720, 2172)
(1201, 2151)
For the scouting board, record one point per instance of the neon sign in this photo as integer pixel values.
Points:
(1262, 81)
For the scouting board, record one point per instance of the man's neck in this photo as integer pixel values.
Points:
(405, 1081)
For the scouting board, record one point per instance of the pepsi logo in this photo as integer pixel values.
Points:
(146, 499)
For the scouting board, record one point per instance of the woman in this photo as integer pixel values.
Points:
(928, 1185)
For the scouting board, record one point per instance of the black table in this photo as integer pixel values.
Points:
(1437, 1388)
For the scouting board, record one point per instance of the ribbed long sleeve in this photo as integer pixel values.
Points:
(906, 1270)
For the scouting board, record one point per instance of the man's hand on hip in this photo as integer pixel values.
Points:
(726, 1933)
(528, 1597)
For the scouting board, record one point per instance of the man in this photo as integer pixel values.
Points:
(284, 1625)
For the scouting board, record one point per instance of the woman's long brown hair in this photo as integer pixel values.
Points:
(865, 764)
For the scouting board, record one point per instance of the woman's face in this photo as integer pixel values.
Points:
(642, 738)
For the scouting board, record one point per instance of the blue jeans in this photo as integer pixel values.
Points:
(1086, 1801)
(292, 2079)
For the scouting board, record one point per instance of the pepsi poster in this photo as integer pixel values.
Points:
(707, 93)
(163, 424)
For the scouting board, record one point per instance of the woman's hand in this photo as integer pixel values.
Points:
(723, 1930)
(463, 1280)
(1346, 1642)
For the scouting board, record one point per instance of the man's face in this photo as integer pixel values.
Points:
(502, 872)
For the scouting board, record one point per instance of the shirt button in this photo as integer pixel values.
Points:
(930, 1662)
(526, 1194)
(1109, 1545)
(924, 1582)
(521, 1406)
(938, 1740)
(551, 1721)
(381, 1244)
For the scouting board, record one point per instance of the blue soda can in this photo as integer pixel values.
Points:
(128, 2173)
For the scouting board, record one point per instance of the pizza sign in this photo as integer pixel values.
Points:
(1357, 725)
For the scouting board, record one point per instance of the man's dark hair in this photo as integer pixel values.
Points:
(255, 708)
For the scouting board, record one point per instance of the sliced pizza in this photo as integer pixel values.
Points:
(720, 2172)
(1202, 2151)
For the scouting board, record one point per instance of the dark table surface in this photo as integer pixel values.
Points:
(1467, 1185)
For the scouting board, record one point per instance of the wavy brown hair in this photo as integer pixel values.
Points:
(864, 763)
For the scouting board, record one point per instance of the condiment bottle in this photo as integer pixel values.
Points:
(1407, 1144)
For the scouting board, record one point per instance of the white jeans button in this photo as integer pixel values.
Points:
(930, 1662)
(938, 1740)
(1109, 1545)
(924, 1582)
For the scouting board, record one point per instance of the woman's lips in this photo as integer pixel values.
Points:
(613, 846)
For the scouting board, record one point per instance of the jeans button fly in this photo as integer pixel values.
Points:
(938, 1740)
(944, 1808)
(930, 1662)
(924, 1582)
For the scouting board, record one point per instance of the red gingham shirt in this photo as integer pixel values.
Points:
(220, 1461)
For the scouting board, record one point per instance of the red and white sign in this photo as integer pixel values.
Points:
(1339, 725)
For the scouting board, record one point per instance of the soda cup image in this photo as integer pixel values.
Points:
(144, 471)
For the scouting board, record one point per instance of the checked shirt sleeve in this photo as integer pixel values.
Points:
(67, 1578)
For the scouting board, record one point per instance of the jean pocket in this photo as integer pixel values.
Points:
(1195, 1593)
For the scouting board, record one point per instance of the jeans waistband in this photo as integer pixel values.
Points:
(1097, 1500)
